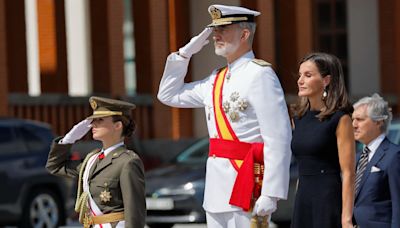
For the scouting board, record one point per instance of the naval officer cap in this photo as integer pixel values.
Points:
(226, 15)
(103, 107)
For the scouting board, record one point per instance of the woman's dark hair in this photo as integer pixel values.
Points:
(128, 124)
(337, 97)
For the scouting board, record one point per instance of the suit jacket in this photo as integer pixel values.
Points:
(120, 173)
(263, 119)
(377, 204)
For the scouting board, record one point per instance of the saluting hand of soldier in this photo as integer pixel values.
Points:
(195, 44)
(77, 132)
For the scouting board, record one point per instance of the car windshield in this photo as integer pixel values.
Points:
(195, 154)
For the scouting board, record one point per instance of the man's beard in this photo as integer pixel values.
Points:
(227, 49)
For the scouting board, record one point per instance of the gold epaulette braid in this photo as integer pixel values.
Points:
(82, 208)
(81, 198)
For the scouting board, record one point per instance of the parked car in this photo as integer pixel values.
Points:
(394, 131)
(174, 193)
(29, 195)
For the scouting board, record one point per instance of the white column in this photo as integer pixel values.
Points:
(363, 46)
(78, 47)
(32, 45)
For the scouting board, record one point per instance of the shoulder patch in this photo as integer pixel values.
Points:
(261, 62)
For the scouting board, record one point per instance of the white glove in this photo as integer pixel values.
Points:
(265, 205)
(195, 44)
(77, 132)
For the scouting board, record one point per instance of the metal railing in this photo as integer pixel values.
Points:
(62, 111)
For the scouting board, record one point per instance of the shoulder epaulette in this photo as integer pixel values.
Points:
(261, 62)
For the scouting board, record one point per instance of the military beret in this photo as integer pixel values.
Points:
(103, 107)
(225, 15)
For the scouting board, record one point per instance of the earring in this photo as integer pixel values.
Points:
(324, 95)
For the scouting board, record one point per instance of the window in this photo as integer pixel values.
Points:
(129, 49)
(331, 30)
(9, 145)
(35, 139)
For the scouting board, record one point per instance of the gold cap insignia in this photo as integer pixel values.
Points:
(93, 104)
(215, 13)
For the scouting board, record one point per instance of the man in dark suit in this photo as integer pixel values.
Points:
(377, 185)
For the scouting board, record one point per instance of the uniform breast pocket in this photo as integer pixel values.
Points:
(108, 191)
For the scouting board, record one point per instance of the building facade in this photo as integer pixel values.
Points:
(54, 54)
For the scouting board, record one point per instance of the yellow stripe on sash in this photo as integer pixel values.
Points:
(222, 125)
(219, 115)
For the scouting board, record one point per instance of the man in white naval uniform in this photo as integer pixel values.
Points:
(246, 113)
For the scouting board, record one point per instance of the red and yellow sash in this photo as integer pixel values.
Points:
(224, 129)
(241, 154)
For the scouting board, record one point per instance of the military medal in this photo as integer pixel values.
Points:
(234, 96)
(226, 106)
(228, 76)
(208, 112)
(234, 116)
(242, 104)
(105, 196)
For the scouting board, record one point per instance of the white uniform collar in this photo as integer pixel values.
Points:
(111, 148)
(241, 60)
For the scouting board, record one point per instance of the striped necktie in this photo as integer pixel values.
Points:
(362, 165)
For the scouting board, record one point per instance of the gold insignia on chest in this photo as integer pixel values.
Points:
(234, 116)
(105, 196)
(234, 105)
(226, 106)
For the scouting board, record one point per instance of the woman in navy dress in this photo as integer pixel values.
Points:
(323, 144)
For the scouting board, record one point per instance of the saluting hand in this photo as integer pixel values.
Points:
(77, 132)
(195, 44)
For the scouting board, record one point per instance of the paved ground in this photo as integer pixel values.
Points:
(76, 225)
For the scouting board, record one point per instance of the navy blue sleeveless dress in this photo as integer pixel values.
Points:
(318, 202)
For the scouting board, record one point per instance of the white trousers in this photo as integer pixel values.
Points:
(234, 219)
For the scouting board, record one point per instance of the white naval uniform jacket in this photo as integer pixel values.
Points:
(264, 120)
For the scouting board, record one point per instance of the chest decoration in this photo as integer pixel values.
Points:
(234, 105)
(105, 196)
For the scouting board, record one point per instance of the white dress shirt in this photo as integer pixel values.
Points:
(374, 144)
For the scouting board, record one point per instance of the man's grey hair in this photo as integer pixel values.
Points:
(377, 109)
(251, 26)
